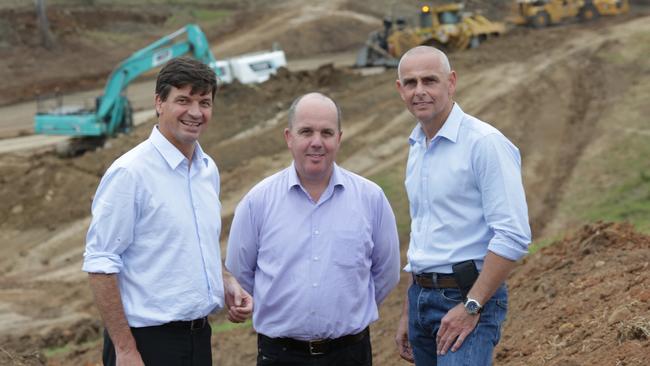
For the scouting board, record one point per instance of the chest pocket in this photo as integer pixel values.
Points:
(350, 248)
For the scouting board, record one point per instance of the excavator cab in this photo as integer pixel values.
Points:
(449, 17)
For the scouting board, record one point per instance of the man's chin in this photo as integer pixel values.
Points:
(315, 171)
(189, 138)
(424, 117)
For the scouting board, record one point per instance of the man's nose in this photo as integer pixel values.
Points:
(419, 88)
(316, 140)
(194, 110)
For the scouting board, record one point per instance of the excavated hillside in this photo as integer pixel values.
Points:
(563, 95)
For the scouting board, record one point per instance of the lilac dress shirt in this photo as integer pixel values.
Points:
(316, 269)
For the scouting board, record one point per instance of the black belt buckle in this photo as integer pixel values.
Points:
(316, 347)
(198, 323)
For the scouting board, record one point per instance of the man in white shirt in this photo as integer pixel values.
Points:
(152, 249)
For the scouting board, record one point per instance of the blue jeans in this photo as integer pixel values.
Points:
(426, 309)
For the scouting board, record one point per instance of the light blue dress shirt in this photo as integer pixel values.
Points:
(156, 224)
(466, 196)
(315, 269)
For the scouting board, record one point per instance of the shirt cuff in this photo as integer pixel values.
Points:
(509, 251)
(102, 263)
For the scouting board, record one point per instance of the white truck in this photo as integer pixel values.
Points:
(250, 68)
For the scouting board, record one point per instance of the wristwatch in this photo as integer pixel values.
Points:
(472, 306)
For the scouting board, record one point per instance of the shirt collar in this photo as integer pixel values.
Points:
(335, 179)
(449, 129)
(170, 153)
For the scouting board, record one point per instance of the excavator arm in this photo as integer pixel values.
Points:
(113, 113)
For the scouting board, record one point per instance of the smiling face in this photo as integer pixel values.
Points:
(426, 85)
(183, 116)
(314, 138)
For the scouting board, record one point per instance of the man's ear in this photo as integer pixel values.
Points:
(287, 137)
(157, 104)
(452, 83)
(400, 90)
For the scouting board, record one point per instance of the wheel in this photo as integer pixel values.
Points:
(588, 12)
(540, 20)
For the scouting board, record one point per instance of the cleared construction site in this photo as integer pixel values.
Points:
(571, 94)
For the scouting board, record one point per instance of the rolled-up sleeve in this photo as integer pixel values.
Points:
(111, 229)
(241, 255)
(385, 255)
(497, 164)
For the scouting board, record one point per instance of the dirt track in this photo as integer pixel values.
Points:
(553, 95)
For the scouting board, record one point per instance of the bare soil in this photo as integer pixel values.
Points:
(582, 300)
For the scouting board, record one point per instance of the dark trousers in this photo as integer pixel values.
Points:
(167, 345)
(272, 353)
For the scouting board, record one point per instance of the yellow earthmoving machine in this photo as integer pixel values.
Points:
(447, 27)
(542, 13)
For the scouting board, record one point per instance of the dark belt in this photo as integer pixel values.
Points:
(195, 324)
(435, 280)
(319, 346)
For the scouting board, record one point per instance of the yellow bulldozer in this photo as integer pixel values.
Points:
(542, 13)
(447, 27)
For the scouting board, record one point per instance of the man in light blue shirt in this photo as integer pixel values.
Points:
(152, 249)
(317, 247)
(468, 214)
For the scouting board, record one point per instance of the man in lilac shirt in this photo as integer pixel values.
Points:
(468, 214)
(317, 247)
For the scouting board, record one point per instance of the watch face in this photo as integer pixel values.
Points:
(472, 307)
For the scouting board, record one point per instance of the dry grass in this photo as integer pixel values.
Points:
(637, 328)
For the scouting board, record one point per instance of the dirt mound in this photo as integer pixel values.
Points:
(552, 321)
(91, 40)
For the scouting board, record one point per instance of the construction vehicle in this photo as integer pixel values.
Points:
(112, 113)
(447, 27)
(542, 13)
(256, 67)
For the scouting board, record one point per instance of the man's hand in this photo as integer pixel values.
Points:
(402, 339)
(238, 301)
(109, 302)
(455, 326)
(128, 358)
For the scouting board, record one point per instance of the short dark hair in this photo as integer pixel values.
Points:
(183, 71)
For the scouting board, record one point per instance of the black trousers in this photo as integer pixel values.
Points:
(167, 345)
(270, 353)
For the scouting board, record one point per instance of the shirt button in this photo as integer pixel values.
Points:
(312, 313)
(316, 232)
(316, 259)
(314, 285)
